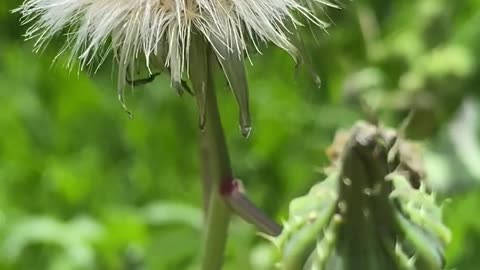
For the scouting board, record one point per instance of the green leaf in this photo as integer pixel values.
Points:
(233, 67)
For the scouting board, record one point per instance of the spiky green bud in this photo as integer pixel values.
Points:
(372, 212)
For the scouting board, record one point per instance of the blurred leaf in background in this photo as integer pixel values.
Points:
(84, 187)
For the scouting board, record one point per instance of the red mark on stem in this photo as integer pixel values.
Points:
(227, 187)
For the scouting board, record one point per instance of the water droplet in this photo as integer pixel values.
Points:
(201, 98)
(121, 98)
(317, 80)
(246, 130)
(201, 122)
(178, 87)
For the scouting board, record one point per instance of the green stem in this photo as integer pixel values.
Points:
(217, 163)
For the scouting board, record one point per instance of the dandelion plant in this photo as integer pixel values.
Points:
(372, 212)
(191, 40)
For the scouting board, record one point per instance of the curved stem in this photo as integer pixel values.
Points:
(216, 166)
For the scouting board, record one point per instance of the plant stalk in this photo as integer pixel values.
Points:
(216, 166)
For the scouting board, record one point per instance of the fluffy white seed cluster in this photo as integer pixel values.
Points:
(146, 28)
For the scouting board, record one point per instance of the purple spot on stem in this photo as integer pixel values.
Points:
(227, 187)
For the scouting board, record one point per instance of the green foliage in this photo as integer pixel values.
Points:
(82, 186)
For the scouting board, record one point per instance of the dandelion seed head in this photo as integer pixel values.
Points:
(161, 29)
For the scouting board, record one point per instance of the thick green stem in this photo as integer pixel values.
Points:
(216, 162)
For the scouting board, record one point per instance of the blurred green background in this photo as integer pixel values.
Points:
(82, 186)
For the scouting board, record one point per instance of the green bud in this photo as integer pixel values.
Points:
(368, 213)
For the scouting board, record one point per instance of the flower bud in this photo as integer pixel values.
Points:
(366, 214)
